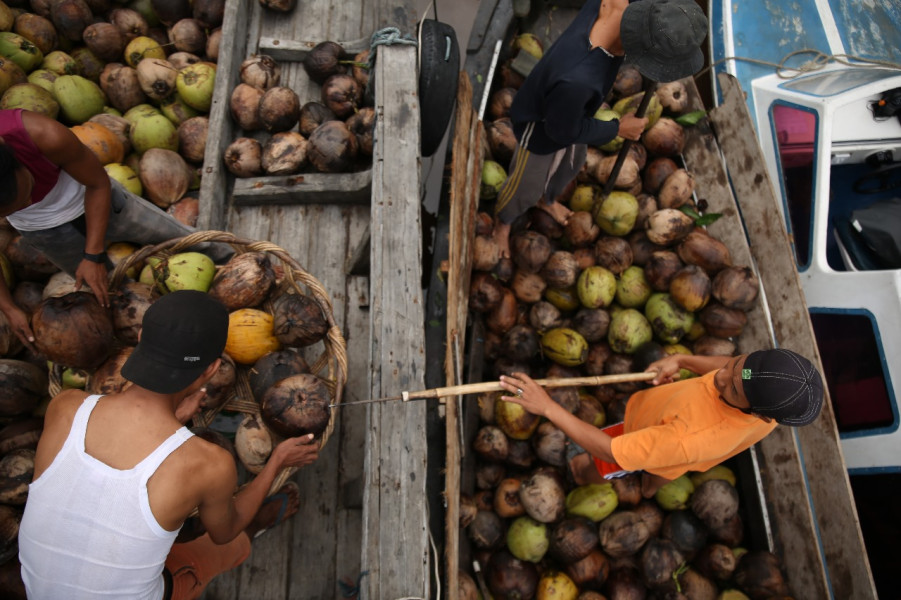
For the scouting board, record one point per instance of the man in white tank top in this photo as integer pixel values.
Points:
(116, 476)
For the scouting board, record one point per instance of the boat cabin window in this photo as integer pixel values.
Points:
(796, 131)
(855, 370)
(831, 83)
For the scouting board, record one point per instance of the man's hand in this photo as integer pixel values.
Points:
(95, 276)
(190, 406)
(667, 369)
(525, 392)
(18, 320)
(296, 452)
(630, 127)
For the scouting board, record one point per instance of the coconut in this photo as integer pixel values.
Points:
(699, 248)
(253, 443)
(16, 470)
(324, 60)
(27, 295)
(632, 289)
(721, 321)
(120, 82)
(596, 287)
(152, 130)
(544, 316)
(509, 577)
(195, 84)
(42, 78)
(687, 532)
(759, 575)
(176, 109)
(629, 174)
(185, 271)
(591, 410)
(244, 281)
(676, 190)
(613, 253)
(572, 539)
(37, 29)
(22, 432)
(333, 147)
(592, 323)
(623, 534)
(312, 115)
(709, 345)
(341, 94)
(628, 489)
(560, 270)
(260, 71)
(594, 501)
(521, 342)
(244, 105)
(298, 320)
(118, 125)
(543, 497)
(20, 50)
(660, 269)
(73, 330)
(505, 315)
(617, 213)
(243, 157)
(501, 140)
(107, 379)
(220, 387)
(22, 385)
(664, 138)
(530, 250)
(597, 356)
(360, 69)
(105, 40)
(499, 105)
(657, 172)
(668, 226)
(156, 77)
(485, 253)
(284, 153)
(549, 443)
(628, 330)
(485, 292)
(79, 98)
(362, 125)
(188, 35)
(180, 60)
(515, 421)
(297, 405)
(128, 305)
(581, 229)
(736, 287)
(279, 109)
(716, 561)
(660, 558)
(129, 22)
(715, 502)
(506, 498)
(212, 44)
(486, 530)
(192, 135)
(564, 346)
(60, 63)
(690, 288)
(673, 96)
(528, 287)
(186, 210)
(489, 475)
(59, 284)
(527, 539)
(273, 367)
(504, 269)
(642, 247)
(28, 96)
(9, 342)
(89, 64)
(165, 176)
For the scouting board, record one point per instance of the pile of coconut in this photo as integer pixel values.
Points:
(273, 339)
(634, 276)
(332, 135)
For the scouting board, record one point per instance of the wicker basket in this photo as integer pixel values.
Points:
(331, 364)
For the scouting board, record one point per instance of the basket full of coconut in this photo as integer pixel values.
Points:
(285, 359)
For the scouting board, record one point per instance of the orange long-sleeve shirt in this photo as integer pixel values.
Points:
(683, 426)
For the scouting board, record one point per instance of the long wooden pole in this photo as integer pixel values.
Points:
(649, 88)
(495, 386)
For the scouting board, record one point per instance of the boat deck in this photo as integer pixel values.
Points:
(316, 552)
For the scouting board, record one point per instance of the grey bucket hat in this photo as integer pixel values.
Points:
(662, 38)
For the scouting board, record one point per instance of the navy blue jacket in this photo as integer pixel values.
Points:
(565, 89)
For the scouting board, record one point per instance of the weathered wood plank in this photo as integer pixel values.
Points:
(395, 523)
(309, 188)
(466, 165)
(826, 474)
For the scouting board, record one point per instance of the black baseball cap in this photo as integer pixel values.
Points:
(662, 38)
(182, 334)
(782, 385)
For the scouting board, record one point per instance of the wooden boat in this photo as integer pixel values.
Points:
(829, 153)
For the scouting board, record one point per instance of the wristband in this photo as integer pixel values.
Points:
(95, 258)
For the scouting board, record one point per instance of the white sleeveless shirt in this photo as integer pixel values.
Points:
(88, 531)
(61, 204)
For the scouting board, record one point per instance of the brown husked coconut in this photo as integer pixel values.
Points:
(628, 81)
(572, 539)
(210, 13)
(660, 269)
(664, 138)
(591, 571)
(156, 77)
(543, 497)
(333, 147)
(491, 443)
(501, 140)
(279, 5)
(221, 385)
(676, 190)
(10, 344)
(668, 226)
(324, 60)
(715, 502)
(128, 305)
(180, 60)
(544, 316)
(487, 532)
(489, 474)
(243, 157)
(613, 253)
(716, 561)
(73, 330)
(628, 176)
(560, 270)
(673, 96)
(129, 22)
(192, 134)
(485, 292)
(642, 247)
(188, 35)
(105, 40)
(499, 106)
(708, 345)
(297, 405)
(647, 206)
(122, 87)
(659, 560)
(700, 248)
(118, 125)
(261, 71)
(628, 489)
(10, 516)
(244, 105)
(362, 125)
(253, 443)
(360, 69)
(506, 498)
(485, 253)
(505, 315)
(721, 321)
(759, 575)
(60, 284)
(186, 210)
(549, 443)
(591, 323)
(16, 471)
(581, 230)
(284, 153)
(37, 28)
(165, 176)
(71, 17)
(312, 115)
(530, 250)
(244, 281)
(298, 320)
(690, 288)
(736, 287)
(279, 109)
(623, 534)
(342, 95)
(212, 44)
(23, 432)
(273, 367)
(657, 172)
(107, 379)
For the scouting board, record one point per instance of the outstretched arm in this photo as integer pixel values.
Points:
(667, 368)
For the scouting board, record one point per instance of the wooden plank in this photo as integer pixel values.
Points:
(395, 523)
(466, 168)
(830, 492)
(334, 188)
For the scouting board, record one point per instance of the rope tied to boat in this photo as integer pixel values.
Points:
(388, 36)
(817, 62)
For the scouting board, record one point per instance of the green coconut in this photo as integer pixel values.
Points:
(20, 50)
(10, 74)
(617, 213)
(606, 114)
(43, 78)
(126, 176)
(595, 501)
(583, 198)
(79, 98)
(60, 63)
(177, 110)
(140, 110)
(493, 176)
(564, 346)
(596, 287)
(628, 330)
(669, 321)
(527, 539)
(30, 97)
(633, 289)
(630, 104)
(186, 271)
(153, 131)
(675, 494)
(195, 84)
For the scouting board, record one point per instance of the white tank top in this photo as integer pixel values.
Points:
(88, 531)
(61, 204)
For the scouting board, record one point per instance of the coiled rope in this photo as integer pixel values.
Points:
(817, 62)
(388, 36)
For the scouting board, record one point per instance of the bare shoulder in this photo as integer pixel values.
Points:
(210, 460)
(64, 405)
(49, 135)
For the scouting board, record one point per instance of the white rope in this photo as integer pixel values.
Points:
(817, 62)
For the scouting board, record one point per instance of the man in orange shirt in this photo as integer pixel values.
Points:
(688, 425)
